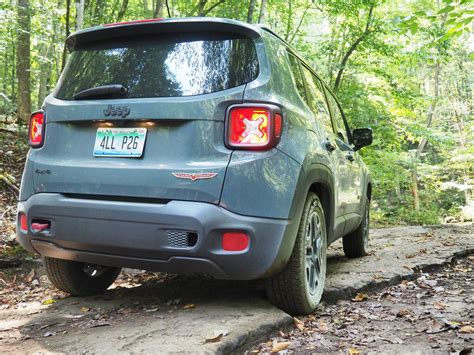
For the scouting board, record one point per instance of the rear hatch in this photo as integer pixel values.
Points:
(161, 134)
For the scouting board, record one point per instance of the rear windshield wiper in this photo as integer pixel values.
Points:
(106, 91)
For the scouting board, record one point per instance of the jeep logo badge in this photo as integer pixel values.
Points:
(112, 110)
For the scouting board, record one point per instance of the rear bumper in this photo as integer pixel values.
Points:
(176, 237)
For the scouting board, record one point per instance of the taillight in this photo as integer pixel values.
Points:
(253, 127)
(23, 222)
(36, 130)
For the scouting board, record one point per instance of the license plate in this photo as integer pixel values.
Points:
(119, 142)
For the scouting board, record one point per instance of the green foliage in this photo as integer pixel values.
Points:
(389, 79)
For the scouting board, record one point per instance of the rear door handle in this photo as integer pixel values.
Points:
(329, 146)
(350, 157)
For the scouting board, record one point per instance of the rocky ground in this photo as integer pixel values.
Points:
(433, 313)
(409, 294)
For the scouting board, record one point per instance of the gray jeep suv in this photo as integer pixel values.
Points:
(195, 145)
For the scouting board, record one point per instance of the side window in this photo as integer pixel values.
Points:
(295, 69)
(338, 117)
(316, 100)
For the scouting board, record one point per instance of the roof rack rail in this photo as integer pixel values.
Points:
(269, 30)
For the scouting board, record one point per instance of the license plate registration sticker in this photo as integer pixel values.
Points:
(119, 142)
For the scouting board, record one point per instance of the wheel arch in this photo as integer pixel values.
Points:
(317, 178)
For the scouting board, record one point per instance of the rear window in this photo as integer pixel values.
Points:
(163, 67)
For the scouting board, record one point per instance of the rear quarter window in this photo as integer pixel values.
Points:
(161, 67)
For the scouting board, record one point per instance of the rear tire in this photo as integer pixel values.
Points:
(79, 279)
(299, 287)
(356, 243)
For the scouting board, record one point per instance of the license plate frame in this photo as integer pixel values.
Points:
(119, 142)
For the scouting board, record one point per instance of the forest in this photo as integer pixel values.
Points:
(403, 68)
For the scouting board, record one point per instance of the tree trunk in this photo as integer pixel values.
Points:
(352, 48)
(250, 12)
(289, 21)
(168, 10)
(297, 29)
(122, 11)
(424, 141)
(158, 11)
(414, 189)
(23, 62)
(45, 72)
(68, 15)
(79, 15)
(263, 10)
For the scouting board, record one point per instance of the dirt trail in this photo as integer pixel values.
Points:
(150, 312)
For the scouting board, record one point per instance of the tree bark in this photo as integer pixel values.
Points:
(158, 11)
(45, 72)
(168, 10)
(206, 12)
(79, 15)
(299, 24)
(68, 15)
(263, 10)
(414, 189)
(23, 62)
(289, 21)
(424, 141)
(352, 48)
(250, 12)
(122, 11)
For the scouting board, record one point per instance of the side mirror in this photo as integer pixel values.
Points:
(362, 137)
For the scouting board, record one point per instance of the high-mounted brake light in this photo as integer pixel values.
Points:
(132, 22)
(253, 127)
(36, 129)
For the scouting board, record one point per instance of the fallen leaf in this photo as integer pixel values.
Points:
(323, 327)
(189, 306)
(217, 338)
(360, 297)
(298, 323)
(403, 312)
(280, 346)
(439, 306)
(377, 276)
(468, 329)
(85, 309)
(30, 276)
(46, 302)
(353, 351)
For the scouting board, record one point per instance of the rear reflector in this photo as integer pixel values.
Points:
(36, 129)
(235, 241)
(23, 222)
(278, 125)
(253, 127)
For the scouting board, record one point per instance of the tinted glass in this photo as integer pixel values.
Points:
(295, 68)
(316, 99)
(150, 67)
(337, 117)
